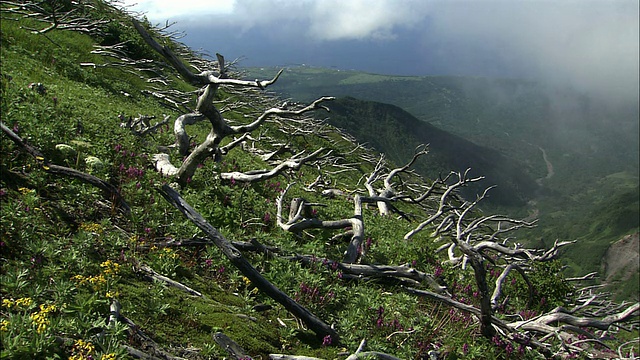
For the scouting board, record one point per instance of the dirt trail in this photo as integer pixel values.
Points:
(550, 171)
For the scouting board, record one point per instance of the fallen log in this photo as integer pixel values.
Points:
(315, 324)
(110, 191)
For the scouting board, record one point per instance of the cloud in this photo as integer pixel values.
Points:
(590, 45)
(315, 19)
(162, 10)
(361, 19)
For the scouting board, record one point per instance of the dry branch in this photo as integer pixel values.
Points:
(161, 278)
(316, 325)
(293, 163)
(230, 346)
(110, 191)
(374, 271)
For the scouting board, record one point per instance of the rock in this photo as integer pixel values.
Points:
(622, 259)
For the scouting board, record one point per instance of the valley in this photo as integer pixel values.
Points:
(573, 153)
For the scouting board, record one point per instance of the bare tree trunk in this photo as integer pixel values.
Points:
(316, 325)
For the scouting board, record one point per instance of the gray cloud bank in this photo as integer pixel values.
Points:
(589, 45)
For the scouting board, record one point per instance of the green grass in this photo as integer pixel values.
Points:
(67, 252)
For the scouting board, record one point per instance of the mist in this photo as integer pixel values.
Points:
(590, 46)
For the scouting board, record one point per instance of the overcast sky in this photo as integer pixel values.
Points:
(591, 45)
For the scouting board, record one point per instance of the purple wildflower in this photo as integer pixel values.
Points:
(326, 341)
(438, 271)
(368, 243)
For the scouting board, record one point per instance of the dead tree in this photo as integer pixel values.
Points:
(472, 238)
(110, 191)
(210, 81)
(227, 248)
(388, 190)
(72, 15)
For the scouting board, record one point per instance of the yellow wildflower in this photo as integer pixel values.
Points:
(40, 318)
(82, 350)
(98, 280)
(91, 227)
(47, 308)
(246, 280)
(24, 302)
(8, 303)
(24, 190)
(110, 356)
(4, 325)
(81, 280)
(112, 294)
(110, 267)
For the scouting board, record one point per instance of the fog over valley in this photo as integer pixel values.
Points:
(589, 45)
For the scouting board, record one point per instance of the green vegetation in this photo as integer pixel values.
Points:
(68, 253)
(593, 146)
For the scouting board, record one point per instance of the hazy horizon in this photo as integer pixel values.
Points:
(591, 46)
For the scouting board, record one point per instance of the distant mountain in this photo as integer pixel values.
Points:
(582, 151)
(395, 132)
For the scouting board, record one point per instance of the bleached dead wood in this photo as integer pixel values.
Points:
(145, 269)
(210, 81)
(561, 315)
(230, 346)
(298, 222)
(149, 349)
(58, 15)
(445, 204)
(293, 163)
(388, 190)
(375, 271)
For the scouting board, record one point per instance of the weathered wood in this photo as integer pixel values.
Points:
(315, 324)
(159, 277)
(293, 163)
(110, 191)
(375, 271)
(230, 346)
(291, 357)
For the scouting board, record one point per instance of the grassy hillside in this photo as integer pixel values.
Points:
(69, 254)
(582, 151)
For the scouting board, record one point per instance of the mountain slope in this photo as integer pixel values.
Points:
(582, 151)
(396, 133)
(84, 277)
